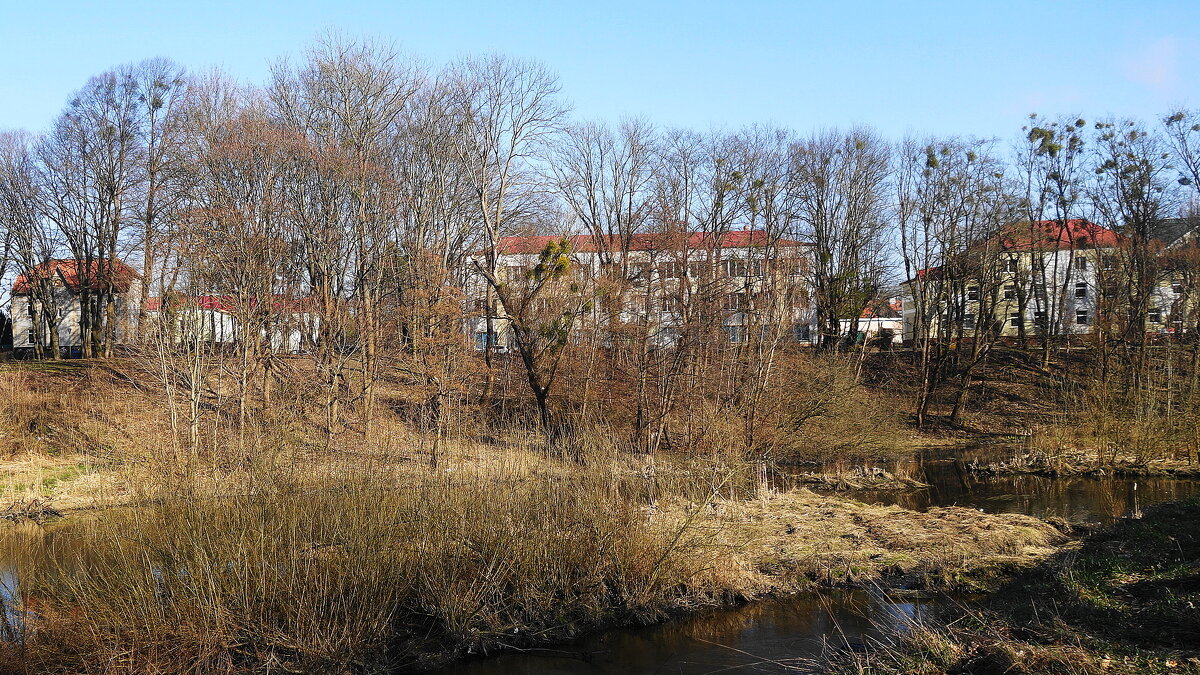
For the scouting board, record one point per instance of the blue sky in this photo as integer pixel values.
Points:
(938, 67)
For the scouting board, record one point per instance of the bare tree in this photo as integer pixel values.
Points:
(348, 101)
(1051, 165)
(542, 304)
(92, 171)
(1132, 194)
(604, 176)
(507, 111)
(161, 88)
(841, 183)
(28, 240)
(951, 209)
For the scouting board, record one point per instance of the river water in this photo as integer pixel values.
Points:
(762, 637)
(1076, 499)
(789, 635)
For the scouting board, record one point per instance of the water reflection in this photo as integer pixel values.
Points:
(15, 541)
(763, 637)
(1076, 499)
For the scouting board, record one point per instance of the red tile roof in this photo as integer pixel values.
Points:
(1045, 235)
(649, 241)
(227, 304)
(883, 309)
(103, 272)
(1061, 234)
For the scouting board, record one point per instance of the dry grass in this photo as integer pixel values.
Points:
(396, 564)
(270, 550)
(367, 569)
(789, 537)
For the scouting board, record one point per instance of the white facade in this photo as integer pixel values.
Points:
(207, 321)
(659, 283)
(875, 326)
(1046, 292)
(66, 313)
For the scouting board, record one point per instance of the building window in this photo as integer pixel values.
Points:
(1039, 318)
(669, 303)
(1010, 292)
(481, 340)
(972, 293)
(667, 336)
(1081, 263)
(1154, 315)
(801, 332)
(1081, 317)
(1177, 287)
(1015, 319)
(698, 270)
(670, 270)
(1109, 262)
(1081, 289)
(736, 334)
(969, 321)
(736, 267)
(735, 302)
(1011, 264)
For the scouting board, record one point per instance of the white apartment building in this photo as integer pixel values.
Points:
(752, 277)
(1054, 278)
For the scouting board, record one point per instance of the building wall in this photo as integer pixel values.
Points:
(644, 299)
(872, 326)
(1074, 283)
(290, 334)
(68, 312)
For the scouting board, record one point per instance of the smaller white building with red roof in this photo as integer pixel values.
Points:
(285, 325)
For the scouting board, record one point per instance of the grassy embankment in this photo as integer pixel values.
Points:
(1125, 599)
(1065, 418)
(364, 558)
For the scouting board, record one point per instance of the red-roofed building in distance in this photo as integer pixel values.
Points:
(287, 325)
(1048, 277)
(880, 323)
(661, 278)
(46, 301)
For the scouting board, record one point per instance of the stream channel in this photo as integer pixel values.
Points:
(788, 635)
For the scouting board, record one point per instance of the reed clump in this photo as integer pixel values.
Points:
(363, 574)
